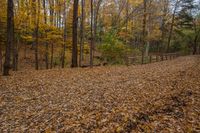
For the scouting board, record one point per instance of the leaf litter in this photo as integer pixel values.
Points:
(158, 97)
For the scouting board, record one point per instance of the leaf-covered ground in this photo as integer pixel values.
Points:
(158, 97)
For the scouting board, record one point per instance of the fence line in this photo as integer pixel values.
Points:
(152, 57)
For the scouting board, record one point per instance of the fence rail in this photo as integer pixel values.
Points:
(152, 57)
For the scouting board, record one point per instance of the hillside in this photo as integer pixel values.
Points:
(158, 97)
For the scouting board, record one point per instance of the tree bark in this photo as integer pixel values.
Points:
(15, 55)
(35, 35)
(127, 13)
(1, 59)
(46, 44)
(91, 32)
(172, 25)
(195, 45)
(144, 28)
(51, 4)
(81, 58)
(65, 35)
(52, 55)
(195, 42)
(75, 41)
(10, 37)
(96, 16)
(163, 29)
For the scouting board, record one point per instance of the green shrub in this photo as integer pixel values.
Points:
(113, 50)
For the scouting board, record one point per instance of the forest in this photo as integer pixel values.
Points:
(118, 66)
(61, 33)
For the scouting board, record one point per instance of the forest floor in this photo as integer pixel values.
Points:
(157, 97)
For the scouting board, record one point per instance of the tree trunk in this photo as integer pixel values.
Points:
(195, 44)
(148, 30)
(96, 16)
(81, 58)
(144, 29)
(172, 26)
(74, 42)
(65, 35)
(92, 36)
(1, 59)
(127, 14)
(10, 37)
(51, 4)
(35, 35)
(46, 44)
(15, 55)
(52, 55)
(163, 29)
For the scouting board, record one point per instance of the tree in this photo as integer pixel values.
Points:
(36, 20)
(188, 23)
(10, 36)
(91, 32)
(2, 31)
(165, 6)
(74, 39)
(51, 5)
(144, 27)
(65, 34)
(96, 16)
(82, 32)
(46, 44)
(172, 24)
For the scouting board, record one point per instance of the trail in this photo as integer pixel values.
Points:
(158, 97)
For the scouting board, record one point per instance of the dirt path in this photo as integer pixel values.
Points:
(156, 97)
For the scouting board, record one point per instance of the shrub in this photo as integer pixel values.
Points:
(113, 50)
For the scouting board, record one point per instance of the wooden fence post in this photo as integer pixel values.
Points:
(162, 57)
(156, 58)
(150, 59)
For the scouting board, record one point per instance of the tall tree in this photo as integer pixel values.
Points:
(144, 28)
(51, 5)
(10, 36)
(165, 7)
(65, 34)
(36, 13)
(82, 32)
(15, 55)
(52, 22)
(172, 24)
(74, 39)
(96, 16)
(46, 44)
(1, 59)
(91, 32)
(127, 13)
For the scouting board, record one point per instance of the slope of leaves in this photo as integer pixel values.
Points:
(159, 97)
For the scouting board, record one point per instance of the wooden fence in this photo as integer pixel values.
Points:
(152, 57)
